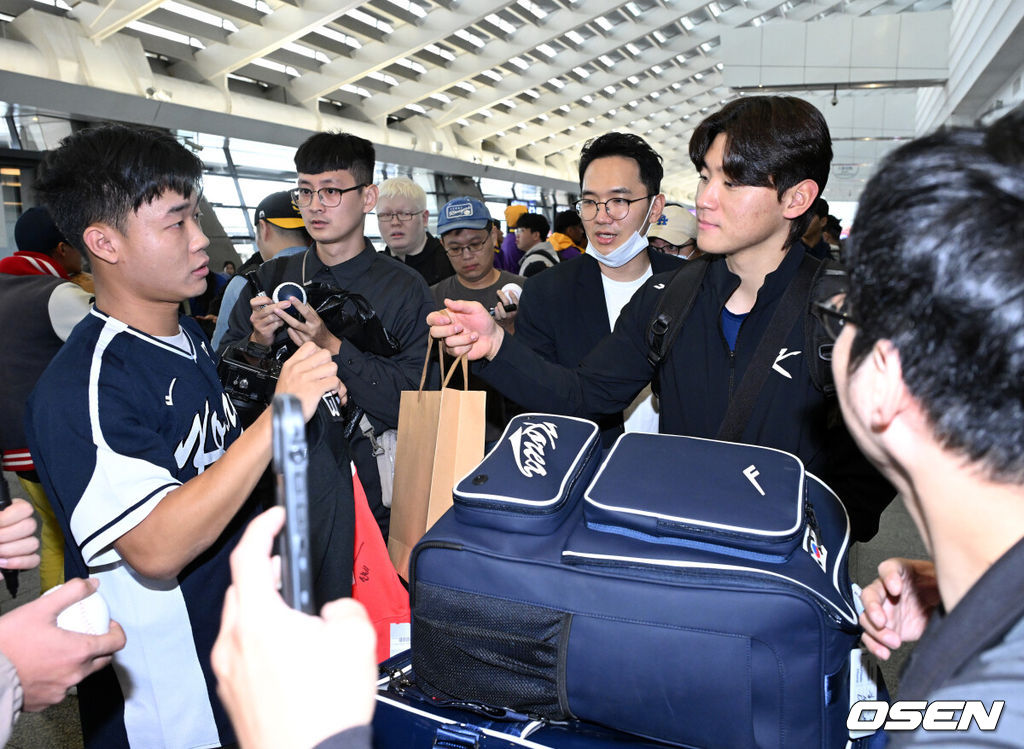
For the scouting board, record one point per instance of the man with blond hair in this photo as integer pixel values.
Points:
(402, 216)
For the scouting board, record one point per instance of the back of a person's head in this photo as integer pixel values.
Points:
(770, 141)
(566, 220)
(36, 231)
(534, 222)
(328, 152)
(820, 208)
(100, 174)
(403, 187)
(937, 267)
(628, 146)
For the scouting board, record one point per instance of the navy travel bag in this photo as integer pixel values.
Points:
(691, 591)
(406, 718)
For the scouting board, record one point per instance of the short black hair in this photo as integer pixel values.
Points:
(771, 141)
(820, 208)
(566, 220)
(534, 222)
(631, 147)
(328, 152)
(937, 267)
(102, 173)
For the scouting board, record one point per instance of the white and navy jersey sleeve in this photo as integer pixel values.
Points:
(142, 419)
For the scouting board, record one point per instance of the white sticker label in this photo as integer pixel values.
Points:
(401, 637)
(863, 682)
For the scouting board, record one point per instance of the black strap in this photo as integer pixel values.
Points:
(792, 305)
(674, 307)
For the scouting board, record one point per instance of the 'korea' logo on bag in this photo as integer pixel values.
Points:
(529, 444)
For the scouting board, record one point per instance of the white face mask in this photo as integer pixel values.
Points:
(627, 250)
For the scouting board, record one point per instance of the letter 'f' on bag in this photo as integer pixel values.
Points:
(440, 439)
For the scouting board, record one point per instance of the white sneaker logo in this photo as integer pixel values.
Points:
(659, 286)
(752, 473)
(169, 399)
(784, 354)
(528, 445)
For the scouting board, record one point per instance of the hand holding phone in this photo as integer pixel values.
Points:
(291, 461)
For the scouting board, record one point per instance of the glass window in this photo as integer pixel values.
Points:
(220, 190)
(254, 189)
(250, 153)
(496, 188)
(233, 221)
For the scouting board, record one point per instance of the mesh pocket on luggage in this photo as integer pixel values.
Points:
(484, 649)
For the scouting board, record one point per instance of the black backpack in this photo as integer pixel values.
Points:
(816, 280)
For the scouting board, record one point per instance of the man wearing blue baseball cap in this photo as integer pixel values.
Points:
(464, 226)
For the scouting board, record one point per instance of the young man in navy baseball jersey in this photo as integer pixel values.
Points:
(154, 470)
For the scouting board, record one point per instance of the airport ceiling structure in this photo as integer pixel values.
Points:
(504, 86)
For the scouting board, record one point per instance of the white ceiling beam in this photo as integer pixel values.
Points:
(101, 21)
(621, 98)
(494, 53)
(509, 87)
(573, 91)
(569, 141)
(438, 25)
(286, 24)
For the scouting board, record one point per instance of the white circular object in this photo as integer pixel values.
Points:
(90, 616)
(513, 288)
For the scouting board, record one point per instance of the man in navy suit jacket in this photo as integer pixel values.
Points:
(565, 311)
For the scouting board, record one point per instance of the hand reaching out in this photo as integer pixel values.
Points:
(897, 604)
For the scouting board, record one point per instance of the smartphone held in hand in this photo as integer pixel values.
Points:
(291, 460)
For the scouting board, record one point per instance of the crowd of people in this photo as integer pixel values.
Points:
(146, 475)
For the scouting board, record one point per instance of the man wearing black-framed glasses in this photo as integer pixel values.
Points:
(402, 219)
(334, 193)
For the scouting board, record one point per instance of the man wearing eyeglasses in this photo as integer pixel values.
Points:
(465, 228)
(334, 195)
(568, 309)
(402, 218)
(762, 160)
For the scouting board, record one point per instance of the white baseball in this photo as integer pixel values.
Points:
(513, 288)
(90, 616)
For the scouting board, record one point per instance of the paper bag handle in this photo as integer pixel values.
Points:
(451, 371)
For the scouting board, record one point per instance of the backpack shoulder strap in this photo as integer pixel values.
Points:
(792, 305)
(673, 308)
(830, 279)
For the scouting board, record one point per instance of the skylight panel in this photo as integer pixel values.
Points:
(556, 82)
(533, 9)
(501, 23)
(440, 52)
(413, 8)
(547, 50)
(493, 74)
(358, 90)
(575, 37)
(519, 62)
(633, 49)
(581, 72)
(633, 79)
(174, 36)
(276, 66)
(302, 49)
(470, 37)
(441, 98)
(416, 108)
(337, 36)
(357, 15)
(384, 77)
(604, 23)
(532, 93)
(659, 37)
(607, 61)
(198, 15)
(412, 65)
(466, 86)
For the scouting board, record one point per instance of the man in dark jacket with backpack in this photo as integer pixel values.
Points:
(753, 202)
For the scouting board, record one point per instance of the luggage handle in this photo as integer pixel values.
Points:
(457, 736)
